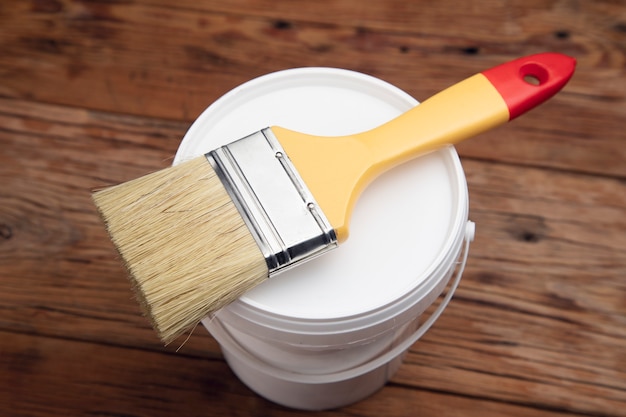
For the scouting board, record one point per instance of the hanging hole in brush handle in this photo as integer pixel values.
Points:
(534, 74)
(527, 82)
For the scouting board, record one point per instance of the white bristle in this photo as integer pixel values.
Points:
(186, 247)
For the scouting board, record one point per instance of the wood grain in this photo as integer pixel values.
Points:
(105, 56)
(95, 92)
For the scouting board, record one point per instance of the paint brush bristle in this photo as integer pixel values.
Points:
(184, 243)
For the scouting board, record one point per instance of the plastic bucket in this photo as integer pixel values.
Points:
(334, 330)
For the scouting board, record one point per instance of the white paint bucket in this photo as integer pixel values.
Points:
(334, 330)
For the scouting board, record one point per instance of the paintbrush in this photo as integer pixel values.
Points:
(196, 236)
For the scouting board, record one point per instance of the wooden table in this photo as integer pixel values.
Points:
(95, 92)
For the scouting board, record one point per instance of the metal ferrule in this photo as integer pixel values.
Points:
(277, 206)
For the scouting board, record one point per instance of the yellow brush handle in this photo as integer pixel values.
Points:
(337, 169)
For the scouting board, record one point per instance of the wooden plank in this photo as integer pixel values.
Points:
(56, 377)
(508, 344)
(539, 317)
(172, 61)
(514, 20)
(214, 36)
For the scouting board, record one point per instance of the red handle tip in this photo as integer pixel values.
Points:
(529, 81)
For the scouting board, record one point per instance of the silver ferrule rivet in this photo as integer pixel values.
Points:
(279, 155)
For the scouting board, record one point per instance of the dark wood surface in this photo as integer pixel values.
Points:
(97, 92)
